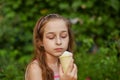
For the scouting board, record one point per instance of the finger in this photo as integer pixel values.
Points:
(74, 71)
(75, 74)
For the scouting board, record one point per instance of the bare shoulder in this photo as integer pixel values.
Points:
(34, 66)
(33, 71)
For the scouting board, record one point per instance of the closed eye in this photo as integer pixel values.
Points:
(64, 36)
(50, 36)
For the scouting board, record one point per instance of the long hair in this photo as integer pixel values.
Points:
(39, 52)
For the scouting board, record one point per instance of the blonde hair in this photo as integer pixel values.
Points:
(39, 52)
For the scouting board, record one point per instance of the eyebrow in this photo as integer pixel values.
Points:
(53, 32)
(50, 33)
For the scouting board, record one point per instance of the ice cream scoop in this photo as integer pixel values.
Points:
(65, 59)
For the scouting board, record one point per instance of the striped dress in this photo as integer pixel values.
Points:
(56, 77)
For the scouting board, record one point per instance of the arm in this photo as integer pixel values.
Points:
(33, 72)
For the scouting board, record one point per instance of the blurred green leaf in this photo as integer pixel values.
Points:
(96, 29)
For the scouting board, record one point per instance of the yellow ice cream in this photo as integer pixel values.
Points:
(65, 59)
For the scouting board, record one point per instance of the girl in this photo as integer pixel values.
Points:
(52, 36)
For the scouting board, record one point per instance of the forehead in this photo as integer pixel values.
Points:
(55, 26)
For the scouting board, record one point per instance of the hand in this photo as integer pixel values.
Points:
(71, 73)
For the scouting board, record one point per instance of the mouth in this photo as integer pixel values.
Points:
(59, 49)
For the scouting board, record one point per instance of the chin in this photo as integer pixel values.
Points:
(58, 54)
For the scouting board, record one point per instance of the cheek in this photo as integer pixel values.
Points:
(66, 42)
(47, 43)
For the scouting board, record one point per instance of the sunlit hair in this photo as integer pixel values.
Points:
(39, 52)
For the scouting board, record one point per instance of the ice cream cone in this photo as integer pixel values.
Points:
(65, 59)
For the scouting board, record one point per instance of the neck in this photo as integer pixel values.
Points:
(52, 62)
(51, 59)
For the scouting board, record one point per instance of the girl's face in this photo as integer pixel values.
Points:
(55, 37)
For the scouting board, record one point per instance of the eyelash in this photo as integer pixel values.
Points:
(64, 36)
(61, 37)
(51, 38)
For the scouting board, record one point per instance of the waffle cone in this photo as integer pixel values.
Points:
(65, 61)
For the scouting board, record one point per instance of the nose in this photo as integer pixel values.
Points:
(58, 41)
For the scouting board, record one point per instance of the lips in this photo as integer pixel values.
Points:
(59, 49)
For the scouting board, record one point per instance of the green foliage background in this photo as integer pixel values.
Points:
(96, 26)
